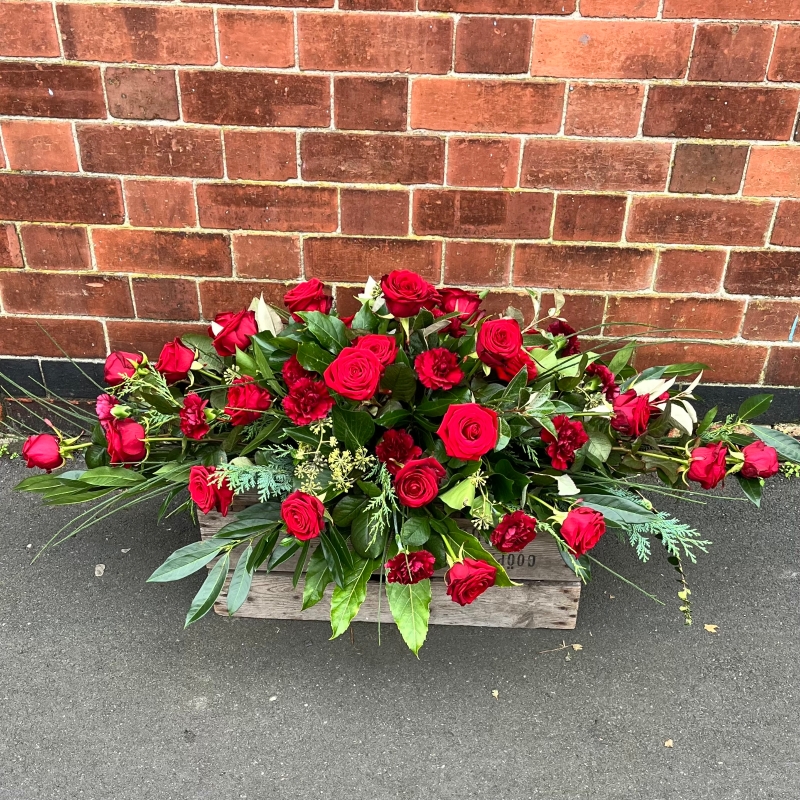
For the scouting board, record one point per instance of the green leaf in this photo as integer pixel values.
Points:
(685, 368)
(205, 349)
(337, 556)
(96, 456)
(399, 381)
(365, 320)
(318, 576)
(515, 386)
(244, 528)
(209, 591)
(410, 607)
(354, 428)
(754, 406)
(415, 532)
(582, 567)
(313, 358)
(283, 552)
(707, 420)
(462, 494)
(347, 509)
(240, 582)
(439, 403)
(393, 417)
(368, 538)
(474, 549)
(70, 496)
(504, 436)
(187, 560)
(787, 446)
(260, 437)
(347, 599)
(115, 477)
(246, 363)
(617, 509)
(39, 483)
(329, 331)
(752, 487)
(301, 563)
(599, 444)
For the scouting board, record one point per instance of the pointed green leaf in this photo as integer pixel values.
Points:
(752, 488)
(347, 599)
(354, 428)
(415, 531)
(313, 358)
(318, 576)
(399, 381)
(116, 477)
(329, 331)
(209, 591)
(462, 494)
(474, 549)
(754, 406)
(240, 582)
(787, 446)
(187, 560)
(410, 607)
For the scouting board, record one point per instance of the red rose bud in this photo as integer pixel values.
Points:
(293, 371)
(125, 438)
(708, 465)
(103, 407)
(348, 321)
(469, 431)
(409, 568)
(559, 327)
(438, 369)
(307, 296)
(498, 341)
(42, 451)
(760, 461)
(571, 437)
(207, 493)
(231, 330)
(582, 529)
(193, 417)
(384, 348)
(515, 532)
(467, 304)
(354, 374)
(304, 516)
(508, 370)
(406, 293)
(417, 483)
(395, 449)
(119, 366)
(175, 361)
(308, 400)
(632, 413)
(468, 579)
(246, 401)
(607, 382)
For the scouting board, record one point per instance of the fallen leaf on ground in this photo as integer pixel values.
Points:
(495, 694)
(126, 550)
(99, 570)
(577, 647)
(711, 628)
(668, 743)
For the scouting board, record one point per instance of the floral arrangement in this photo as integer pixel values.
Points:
(405, 439)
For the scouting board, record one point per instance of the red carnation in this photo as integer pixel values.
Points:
(193, 417)
(559, 327)
(467, 304)
(354, 374)
(308, 400)
(175, 361)
(125, 438)
(417, 483)
(105, 403)
(395, 449)
(760, 461)
(498, 341)
(119, 366)
(707, 465)
(304, 515)
(44, 451)
(384, 348)
(607, 381)
(246, 401)
(632, 413)
(469, 431)
(307, 296)
(571, 437)
(409, 568)
(207, 492)
(293, 371)
(509, 369)
(468, 579)
(406, 293)
(231, 330)
(438, 368)
(515, 532)
(582, 529)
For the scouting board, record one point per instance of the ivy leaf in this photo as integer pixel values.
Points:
(209, 591)
(240, 582)
(329, 331)
(347, 599)
(354, 428)
(187, 560)
(410, 607)
(318, 576)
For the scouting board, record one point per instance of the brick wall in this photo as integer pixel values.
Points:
(164, 161)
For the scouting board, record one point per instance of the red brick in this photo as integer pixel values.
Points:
(720, 112)
(376, 5)
(48, 247)
(783, 367)
(51, 90)
(770, 320)
(739, 364)
(598, 166)
(619, 8)
(40, 145)
(707, 169)
(144, 34)
(490, 106)
(21, 336)
(157, 298)
(28, 30)
(160, 204)
(60, 198)
(690, 271)
(219, 296)
(255, 98)
(689, 220)
(149, 337)
(785, 64)
(345, 300)
(603, 109)
(142, 93)
(379, 158)
(356, 259)
(268, 208)
(374, 213)
(500, 6)
(151, 150)
(370, 104)
(261, 155)
(773, 172)
(477, 263)
(256, 38)
(60, 293)
(10, 254)
(482, 162)
(787, 224)
(773, 273)
(375, 42)
(281, 3)
(732, 9)
(489, 215)
(595, 49)
(274, 257)
(676, 317)
(581, 267)
(589, 217)
(161, 252)
(731, 52)
(493, 45)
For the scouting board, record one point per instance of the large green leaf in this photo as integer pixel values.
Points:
(204, 600)
(245, 529)
(116, 477)
(329, 331)
(368, 538)
(347, 599)
(617, 509)
(39, 483)
(410, 607)
(205, 349)
(346, 510)
(462, 494)
(787, 446)
(474, 549)
(354, 428)
(599, 444)
(318, 576)
(313, 358)
(754, 406)
(415, 531)
(187, 560)
(337, 555)
(622, 357)
(240, 582)
(438, 405)
(399, 381)
(752, 488)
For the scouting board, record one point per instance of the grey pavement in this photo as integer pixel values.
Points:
(104, 696)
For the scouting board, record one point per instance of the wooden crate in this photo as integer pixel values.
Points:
(547, 598)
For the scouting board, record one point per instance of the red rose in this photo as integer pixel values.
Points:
(468, 579)
(193, 418)
(469, 431)
(467, 304)
(707, 465)
(175, 361)
(293, 371)
(582, 529)
(354, 374)
(632, 413)
(508, 370)
(209, 494)
(438, 368)
(308, 400)
(120, 365)
(571, 437)
(246, 401)
(103, 406)
(304, 516)
(307, 296)
(384, 348)
(760, 461)
(417, 483)
(410, 567)
(498, 341)
(231, 330)
(395, 449)
(43, 451)
(515, 532)
(348, 321)
(406, 293)
(607, 382)
(559, 327)
(125, 438)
